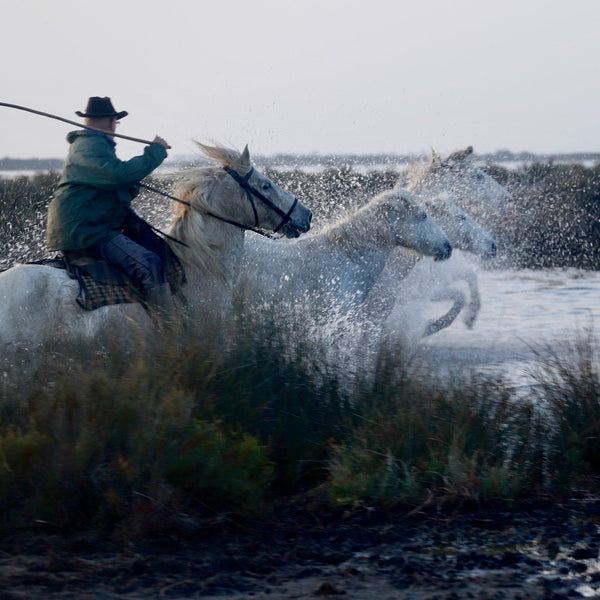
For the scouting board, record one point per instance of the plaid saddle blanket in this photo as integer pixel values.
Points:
(102, 284)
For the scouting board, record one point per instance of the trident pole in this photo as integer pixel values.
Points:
(44, 114)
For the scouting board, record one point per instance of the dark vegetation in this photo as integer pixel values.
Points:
(168, 429)
(555, 218)
(23, 209)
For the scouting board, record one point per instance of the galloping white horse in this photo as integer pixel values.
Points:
(447, 184)
(38, 302)
(334, 270)
(464, 233)
(341, 284)
(468, 186)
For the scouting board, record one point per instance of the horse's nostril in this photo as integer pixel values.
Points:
(443, 253)
(310, 216)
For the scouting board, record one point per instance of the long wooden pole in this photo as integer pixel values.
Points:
(44, 114)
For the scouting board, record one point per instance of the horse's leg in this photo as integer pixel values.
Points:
(474, 306)
(380, 300)
(459, 302)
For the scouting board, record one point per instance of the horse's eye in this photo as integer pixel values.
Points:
(266, 185)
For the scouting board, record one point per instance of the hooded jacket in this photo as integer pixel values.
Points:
(95, 191)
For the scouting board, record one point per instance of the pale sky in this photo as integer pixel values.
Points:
(303, 76)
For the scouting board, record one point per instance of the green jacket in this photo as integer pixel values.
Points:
(95, 191)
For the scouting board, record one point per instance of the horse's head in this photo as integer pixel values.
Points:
(409, 225)
(243, 196)
(463, 232)
(468, 186)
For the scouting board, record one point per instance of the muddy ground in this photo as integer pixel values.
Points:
(536, 550)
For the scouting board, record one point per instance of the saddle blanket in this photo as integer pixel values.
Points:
(103, 284)
(100, 284)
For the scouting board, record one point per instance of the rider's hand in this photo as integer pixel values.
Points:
(163, 143)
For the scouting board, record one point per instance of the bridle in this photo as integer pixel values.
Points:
(251, 193)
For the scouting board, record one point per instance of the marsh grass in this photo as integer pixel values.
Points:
(109, 432)
(147, 431)
(568, 379)
(136, 429)
(417, 439)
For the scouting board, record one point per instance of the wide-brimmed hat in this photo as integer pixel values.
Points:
(100, 107)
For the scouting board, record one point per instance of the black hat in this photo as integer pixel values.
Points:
(100, 107)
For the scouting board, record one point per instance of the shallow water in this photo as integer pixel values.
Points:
(523, 313)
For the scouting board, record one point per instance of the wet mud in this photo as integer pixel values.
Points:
(543, 549)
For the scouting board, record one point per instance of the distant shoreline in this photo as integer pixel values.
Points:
(287, 160)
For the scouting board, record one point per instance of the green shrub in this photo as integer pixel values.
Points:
(96, 429)
(417, 438)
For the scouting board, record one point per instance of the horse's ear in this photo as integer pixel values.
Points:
(461, 154)
(245, 158)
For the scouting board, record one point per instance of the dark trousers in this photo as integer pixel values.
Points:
(142, 265)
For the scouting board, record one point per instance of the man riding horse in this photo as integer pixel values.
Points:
(91, 208)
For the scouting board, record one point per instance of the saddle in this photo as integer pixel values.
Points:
(103, 284)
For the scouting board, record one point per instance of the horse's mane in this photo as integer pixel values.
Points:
(417, 172)
(227, 157)
(194, 188)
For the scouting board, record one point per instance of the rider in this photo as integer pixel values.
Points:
(93, 198)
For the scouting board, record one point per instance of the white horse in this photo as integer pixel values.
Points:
(332, 271)
(467, 186)
(38, 302)
(447, 184)
(464, 234)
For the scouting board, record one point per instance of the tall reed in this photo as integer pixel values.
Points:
(568, 389)
(419, 438)
(145, 430)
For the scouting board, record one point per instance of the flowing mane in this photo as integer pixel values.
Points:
(343, 232)
(227, 157)
(418, 172)
(194, 187)
(189, 224)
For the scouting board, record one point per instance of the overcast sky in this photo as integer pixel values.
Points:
(343, 76)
